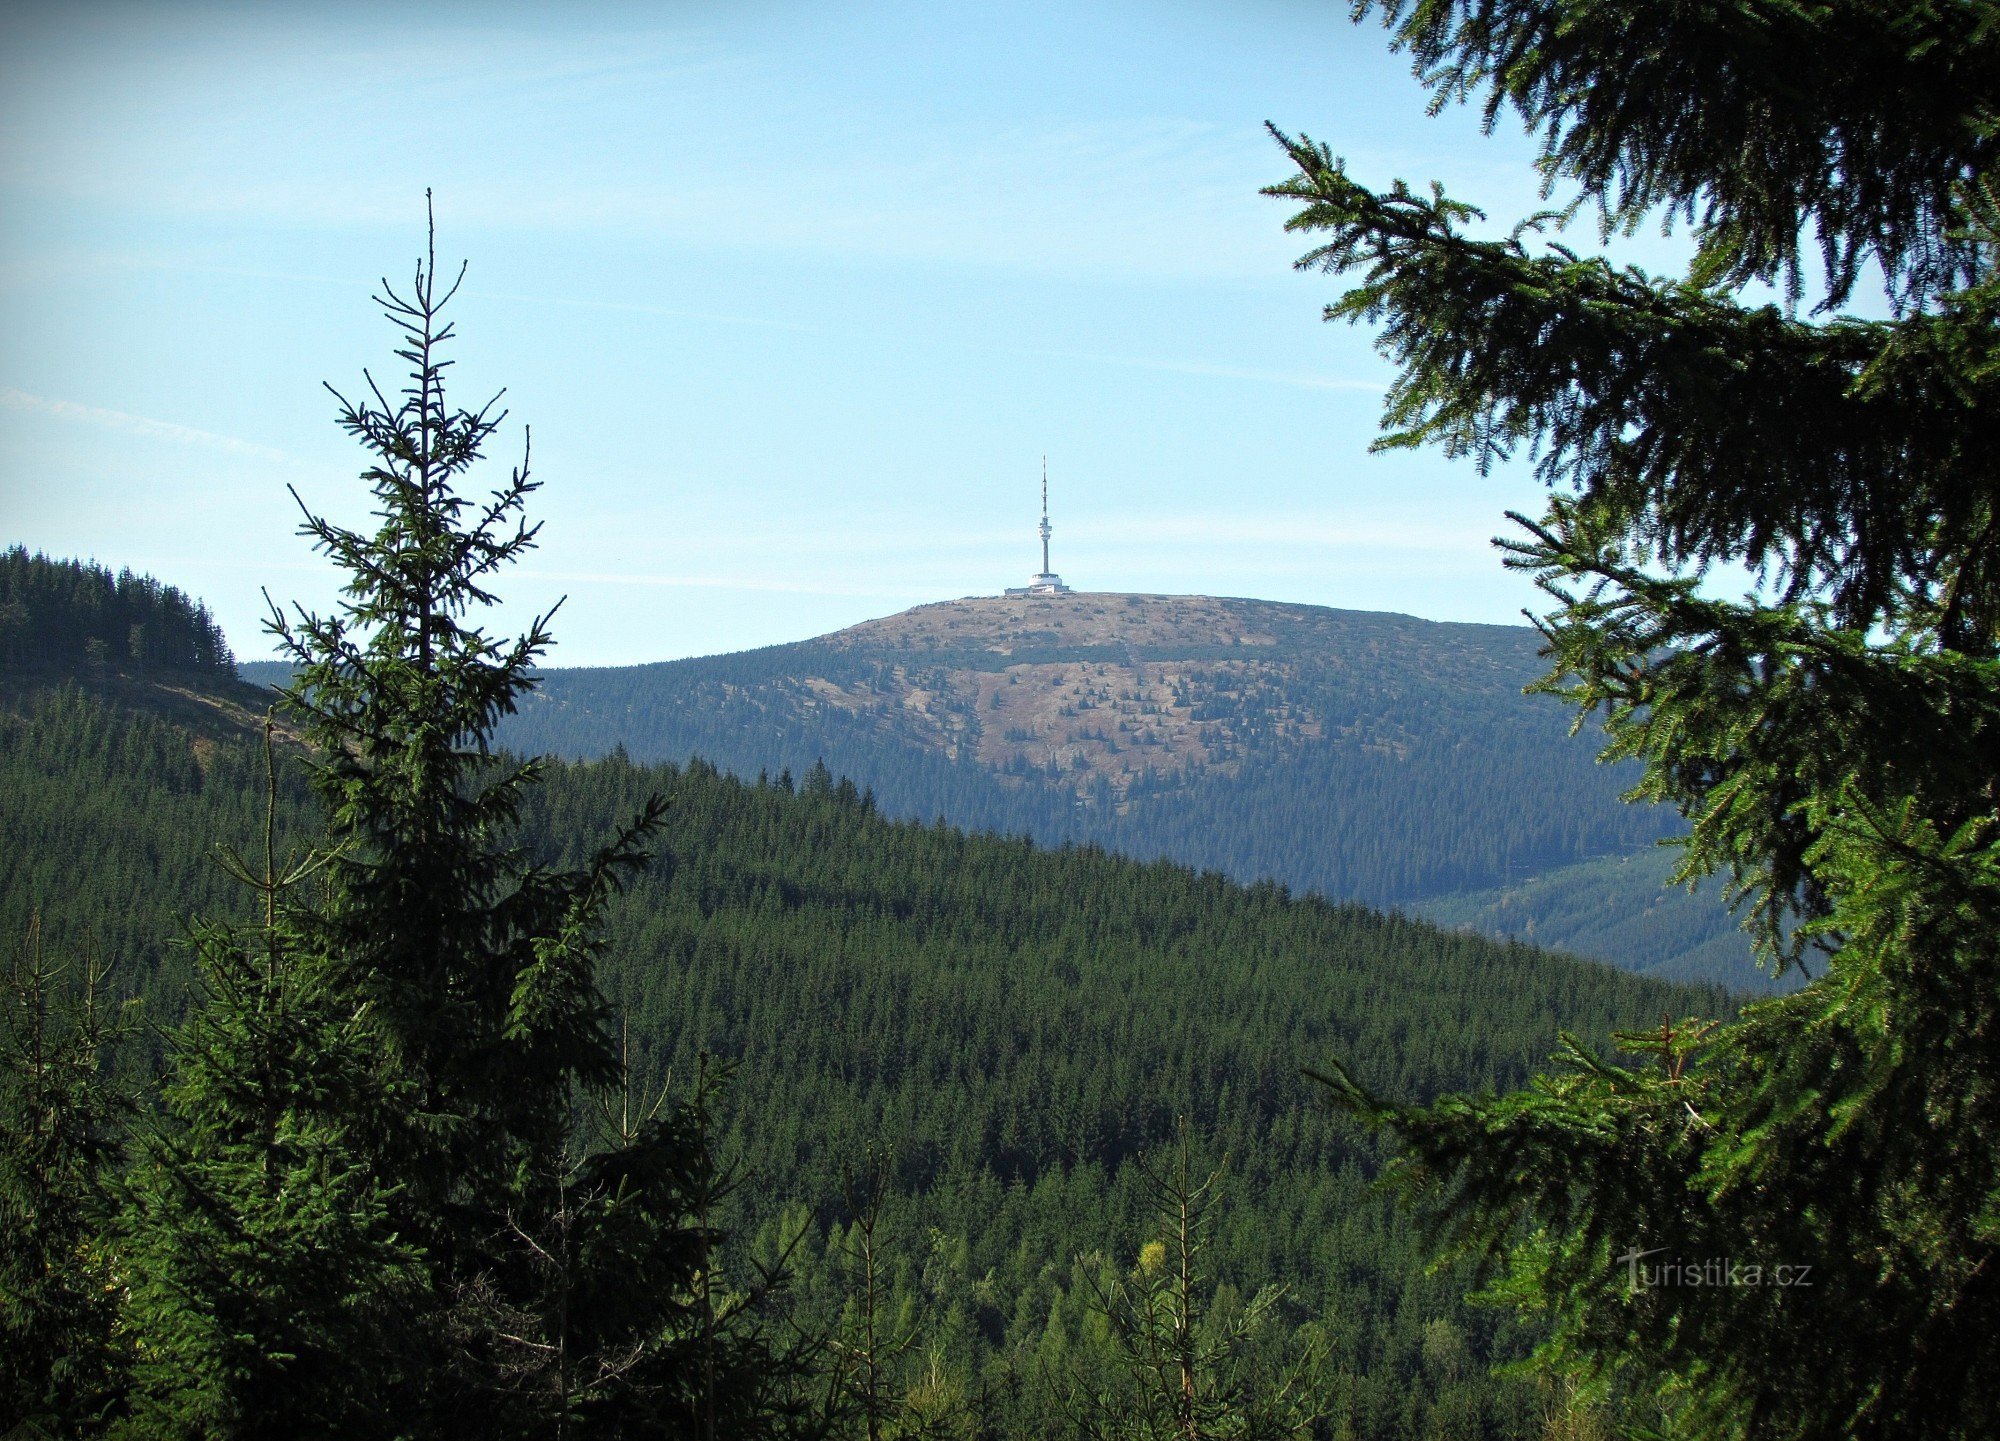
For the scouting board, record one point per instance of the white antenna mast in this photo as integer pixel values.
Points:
(1044, 582)
(1045, 515)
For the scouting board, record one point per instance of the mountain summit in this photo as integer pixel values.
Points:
(1102, 694)
(1366, 756)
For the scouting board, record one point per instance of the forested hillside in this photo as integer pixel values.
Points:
(999, 1029)
(1363, 756)
(1371, 757)
(77, 614)
(1627, 905)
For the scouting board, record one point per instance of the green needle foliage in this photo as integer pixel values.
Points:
(1188, 1371)
(1784, 1226)
(62, 1359)
(268, 1283)
(377, 1208)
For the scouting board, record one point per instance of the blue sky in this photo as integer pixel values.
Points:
(795, 297)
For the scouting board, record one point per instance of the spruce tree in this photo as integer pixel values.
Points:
(62, 1357)
(269, 1287)
(1785, 1225)
(1185, 1366)
(379, 1208)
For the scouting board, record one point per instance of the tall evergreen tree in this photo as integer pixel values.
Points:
(379, 1212)
(1785, 1226)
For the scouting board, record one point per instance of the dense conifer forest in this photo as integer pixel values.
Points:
(1442, 775)
(1658, 929)
(970, 1053)
(76, 614)
(1363, 756)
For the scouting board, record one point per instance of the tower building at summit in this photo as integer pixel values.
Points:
(1044, 582)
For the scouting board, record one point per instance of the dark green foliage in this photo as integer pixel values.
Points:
(1624, 905)
(1830, 736)
(81, 766)
(876, 1388)
(370, 1209)
(72, 614)
(1009, 1027)
(265, 1279)
(624, 1322)
(268, 1279)
(1186, 1365)
(1756, 119)
(62, 1357)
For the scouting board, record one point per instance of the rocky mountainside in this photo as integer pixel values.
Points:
(1115, 693)
(1360, 755)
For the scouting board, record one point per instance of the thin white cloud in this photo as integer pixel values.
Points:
(633, 308)
(1284, 532)
(1030, 199)
(1231, 372)
(744, 582)
(140, 425)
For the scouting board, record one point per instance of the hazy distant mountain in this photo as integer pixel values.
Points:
(1361, 755)
(1620, 908)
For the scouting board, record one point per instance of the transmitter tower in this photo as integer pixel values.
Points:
(1045, 582)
